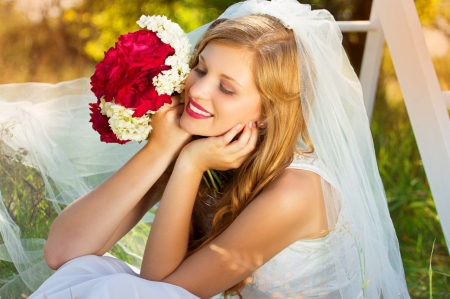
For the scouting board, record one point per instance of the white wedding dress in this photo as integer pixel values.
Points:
(308, 268)
(305, 269)
(103, 277)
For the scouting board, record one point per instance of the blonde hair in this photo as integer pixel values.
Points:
(275, 68)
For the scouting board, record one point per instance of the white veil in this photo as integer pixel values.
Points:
(50, 122)
(47, 124)
(337, 122)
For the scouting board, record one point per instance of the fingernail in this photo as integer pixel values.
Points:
(250, 124)
(238, 126)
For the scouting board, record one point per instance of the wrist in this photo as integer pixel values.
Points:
(163, 156)
(164, 152)
(190, 164)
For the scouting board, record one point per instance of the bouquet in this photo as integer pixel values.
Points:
(137, 77)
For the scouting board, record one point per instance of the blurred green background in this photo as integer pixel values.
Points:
(58, 40)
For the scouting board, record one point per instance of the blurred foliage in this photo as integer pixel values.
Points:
(428, 10)
(22, 189)
(44, 51)
(99, 23)
(67, 46)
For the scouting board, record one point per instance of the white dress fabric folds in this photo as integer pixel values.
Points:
(95, 277)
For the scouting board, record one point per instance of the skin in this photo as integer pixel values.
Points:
(93, 223)
(223, 84)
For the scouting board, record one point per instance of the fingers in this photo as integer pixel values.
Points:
(222, 152)
(176, 99)
(172, 111)
(167, 107)
(179, 109)
(235, 152)
(247, 140)
(226, 138)
(168, 116)
(253, 137)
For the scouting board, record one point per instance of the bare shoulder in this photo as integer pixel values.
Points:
(301, 182)
(295, 187)
(297, 196)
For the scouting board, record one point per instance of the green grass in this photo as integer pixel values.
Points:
(410, 200)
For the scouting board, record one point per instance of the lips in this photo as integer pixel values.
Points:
(196, 111)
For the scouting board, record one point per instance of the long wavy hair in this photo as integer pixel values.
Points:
(275, 68)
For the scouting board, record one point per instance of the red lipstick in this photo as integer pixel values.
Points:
(197, 105)
(194, 110)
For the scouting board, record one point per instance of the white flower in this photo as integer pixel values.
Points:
(123, 124)
(170, 33)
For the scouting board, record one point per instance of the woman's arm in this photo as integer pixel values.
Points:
(168, 239)
(289, 209)
(98, 219)
(146, 203)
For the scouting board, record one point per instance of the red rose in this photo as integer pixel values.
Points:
(101, 125)
(126, 75)
(139, 93)
(108, 74)
(143, 49)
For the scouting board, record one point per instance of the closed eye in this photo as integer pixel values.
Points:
(199, 71)
(226, 91)
(222, 89)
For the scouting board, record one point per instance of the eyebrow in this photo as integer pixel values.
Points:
(200, 57)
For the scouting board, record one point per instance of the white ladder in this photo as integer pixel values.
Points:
(397, 22)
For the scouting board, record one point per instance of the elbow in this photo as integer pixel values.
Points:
(56, 255)
(53, 257)
(151, 276)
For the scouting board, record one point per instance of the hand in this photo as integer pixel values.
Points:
(222, 152)
(167, 133)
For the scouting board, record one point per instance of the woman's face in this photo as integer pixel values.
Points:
(220, 92)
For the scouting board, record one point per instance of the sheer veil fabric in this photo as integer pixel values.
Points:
(50, 123)
(47, 125)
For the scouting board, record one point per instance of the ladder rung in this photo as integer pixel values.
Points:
(358, 26)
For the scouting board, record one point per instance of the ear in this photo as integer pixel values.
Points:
(261, 123)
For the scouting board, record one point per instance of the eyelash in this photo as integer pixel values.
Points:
(222, 89)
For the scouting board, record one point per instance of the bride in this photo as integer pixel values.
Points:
(302, 213)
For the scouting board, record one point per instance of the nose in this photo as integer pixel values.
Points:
(201, 89)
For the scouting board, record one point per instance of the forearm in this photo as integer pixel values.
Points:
(145, 204)
(87, 225)
(168, 239)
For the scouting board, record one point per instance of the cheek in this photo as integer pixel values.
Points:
(189, 81)
(242, 112)
(252, 108)
(188, 125)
